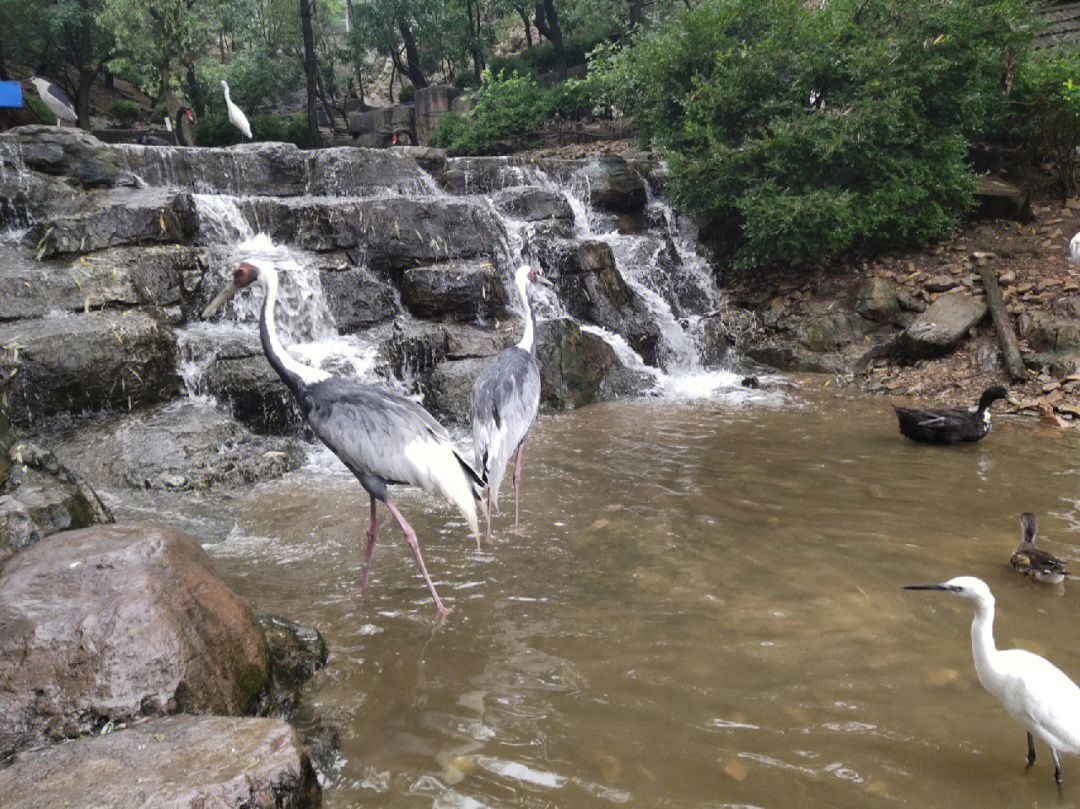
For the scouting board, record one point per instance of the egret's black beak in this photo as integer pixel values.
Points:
(948, 588)
(221, 299)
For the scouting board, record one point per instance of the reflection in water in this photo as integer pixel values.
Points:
(707, 612)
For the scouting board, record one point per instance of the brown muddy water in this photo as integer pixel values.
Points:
(706, 612)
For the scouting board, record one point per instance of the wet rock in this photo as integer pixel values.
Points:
(179, 762)
(712, 338)
(448, 392)
(18, 530)
(66, 151)
(590, 285)
(348, 171)
(111, 623)
(50, 504)
(296, 651)
(455, 290)
(537, 205)
(393, 233)
(626, 383)
(792, 357)
(613, 184)
(88, 361)
(473, 175)
(942, 326)
(827, 332)
(1046, 332)
(573, 364)
(183, 445)
(148, 217)
(357, 299)
(875, 299)
(148, 276)
(279, 169)
(238, 374)
(416, 347)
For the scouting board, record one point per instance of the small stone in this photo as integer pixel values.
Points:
(939, 283)
(736, 769)
(1006, 278)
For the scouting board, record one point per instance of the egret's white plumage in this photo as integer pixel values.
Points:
(1034, 691)
(236, 115)
(1074, 249)
(382, 438)
(505, 399)
(55, 99)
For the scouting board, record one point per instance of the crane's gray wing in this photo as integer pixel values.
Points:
(505, 399)
(386, 436)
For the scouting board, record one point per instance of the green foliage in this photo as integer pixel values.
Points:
(507, 108)
(216, 130)
(540, 59)
(1047, 96)
(43, 113)
(124, 111)
(465, 80)
(570, 98)
(809, 132)
(407, 94)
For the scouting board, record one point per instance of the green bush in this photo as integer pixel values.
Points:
(124, 111)
(407, 94)
(541, 58)
(507, 109)
(465, 80)
(800, 133)
(570, 98)
(216, 130)
(43, 113)
(1047, 99)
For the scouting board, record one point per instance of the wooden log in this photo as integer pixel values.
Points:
(1010, 348)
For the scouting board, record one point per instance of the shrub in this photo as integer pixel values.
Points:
(465, 80)
(804, 132)
(541, 58)
(124, 111)
(407, 94)
(216, 130)
(506, 109)
(1047, 96)
(571, 98)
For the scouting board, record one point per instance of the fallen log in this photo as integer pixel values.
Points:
(1010, 348)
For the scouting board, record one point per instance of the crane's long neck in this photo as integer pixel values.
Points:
(527, 337)
(982, 641)
(293, 373)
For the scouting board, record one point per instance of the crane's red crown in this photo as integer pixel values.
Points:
(245, 274)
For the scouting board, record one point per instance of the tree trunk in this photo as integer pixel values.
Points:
(195, 93)
(412, 57)
(547, 23)
(636, 11)
(87, 72)
(528, 26)
(474, 35)
(3, 69)
(309, 70)
(1010, 348)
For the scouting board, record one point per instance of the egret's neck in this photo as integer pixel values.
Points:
(527, 337)
(225, 87)
(294, 374)
(982, 641)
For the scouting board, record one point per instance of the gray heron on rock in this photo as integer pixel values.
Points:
(382, 438)
(505, 399)
(56, 100)
(236, 115)
(1034, 691)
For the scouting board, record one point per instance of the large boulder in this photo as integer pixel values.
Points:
(942, 326)
(65, 151)
(183, 445)
(124, 276)
(416, 347)
(178, 762)
(448, 393)
(278, 169)
(573, 364)
(613, 185)
(114, 622)
(592, 289)
(537, 205)
(147, 217)
(875, 299)
(1049, 332)
(432, 102)
(455, 290)
(76, 362)
(357, 299)
(827, 332)
(348, 171)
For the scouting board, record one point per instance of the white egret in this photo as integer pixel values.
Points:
(236, 115)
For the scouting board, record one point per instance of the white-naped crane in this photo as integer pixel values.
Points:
(505, 399)
(1034, 691)
(56, 100)
(382, 438)
(236, 115)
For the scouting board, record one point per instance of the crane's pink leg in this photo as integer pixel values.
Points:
(517, 481)
(410, 540)
(371, 531)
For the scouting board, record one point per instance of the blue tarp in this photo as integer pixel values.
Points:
(11, 94)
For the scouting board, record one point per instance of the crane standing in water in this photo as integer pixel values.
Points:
(381, 437)
(1034, 691)
(505, 399)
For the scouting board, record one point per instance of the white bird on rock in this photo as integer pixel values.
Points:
(505, 399)
(1034, 691)
(56, 100)
(382, 438)
(236, 115)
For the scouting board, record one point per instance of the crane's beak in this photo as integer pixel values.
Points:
(948, 588)
(220, 300)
